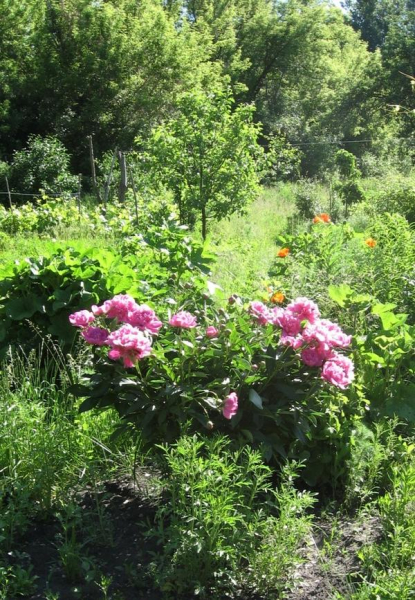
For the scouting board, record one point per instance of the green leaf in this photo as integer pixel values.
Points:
(24, 308)
(389, 320)
(378, 309)
(340, 293)
(255, 398)
(89, 404)
(375, 358)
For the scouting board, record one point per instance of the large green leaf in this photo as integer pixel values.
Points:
(340, 293)
(24, 308)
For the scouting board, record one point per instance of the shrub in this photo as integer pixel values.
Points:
(42, 165)
(255, 373)
(47, 289)
(51, 216)
(329, 254)
(308, 199)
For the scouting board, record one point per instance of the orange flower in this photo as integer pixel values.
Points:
(278, 298)
(370, 242)
(323, 218)
(283, 252)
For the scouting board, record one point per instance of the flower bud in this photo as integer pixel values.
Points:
(209, 425)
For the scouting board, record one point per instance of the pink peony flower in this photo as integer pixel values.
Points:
(324, 331)
(230, 407)
(290, 323)
(128, 343)
(95, 335)
(116, 308)
(295, 341)
(276, 315)
(316, 355)
(211, 332)
(336, 337)
(304, 309)
(183, 319)
(144, 318)
(338, 370)
(260, 312)
(82, 318)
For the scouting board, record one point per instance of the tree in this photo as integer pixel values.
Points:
(208, 156)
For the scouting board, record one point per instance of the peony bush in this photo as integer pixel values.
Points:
(258, 372)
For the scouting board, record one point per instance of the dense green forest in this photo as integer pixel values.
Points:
(320, 78)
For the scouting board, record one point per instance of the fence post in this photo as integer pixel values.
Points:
(79, 192)
(107, 185)
(8, 191)
(134, 192)
(123, 182)
(94, 176)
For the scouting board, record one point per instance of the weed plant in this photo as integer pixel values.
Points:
(47, 449)
(387, 566)
(222, 528)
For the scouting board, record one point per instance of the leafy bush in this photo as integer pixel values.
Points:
(329, 254)
(215, 540)
(349, 186)
(283, 160)
(388, 565)
(394, 199)
(258, 375)
(42, 165)
(53, 216)
(47, 289)
(384, 353)
(308, 199)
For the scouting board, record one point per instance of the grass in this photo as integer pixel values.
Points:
(245, 245)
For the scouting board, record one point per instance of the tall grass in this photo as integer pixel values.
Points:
(47, 449)
(245, 245)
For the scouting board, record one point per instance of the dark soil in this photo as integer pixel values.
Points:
(117, 548)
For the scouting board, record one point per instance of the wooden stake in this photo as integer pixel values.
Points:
(107, 185)
(8, 191)
(123, 182)
(94, 176)
(135, 193)
(79, 192)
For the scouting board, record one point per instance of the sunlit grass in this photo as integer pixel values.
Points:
(245, 245)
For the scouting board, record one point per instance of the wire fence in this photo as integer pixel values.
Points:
(59, 195)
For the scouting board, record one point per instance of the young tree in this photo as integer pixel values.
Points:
(208, 155)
